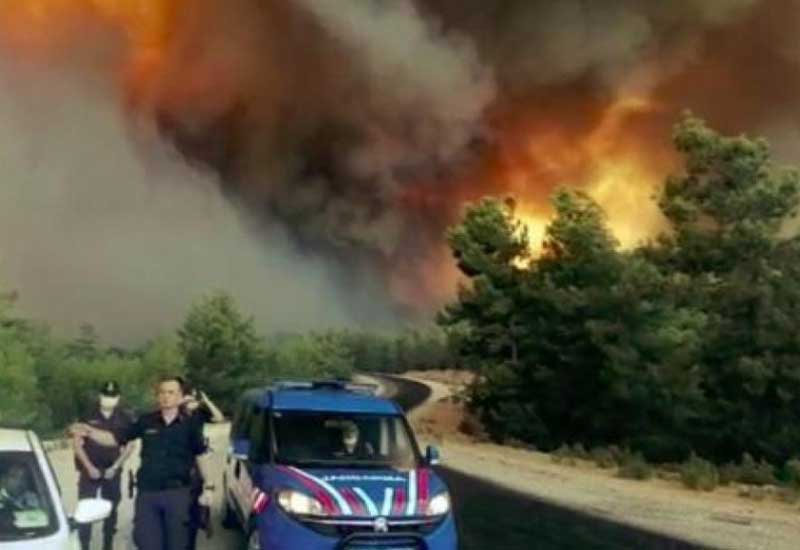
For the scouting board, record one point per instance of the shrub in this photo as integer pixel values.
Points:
(563, 455)
(672, 467)
(729, 473)
(789, 495)
(748, 472)
(792, 472)
(579, 451)
(752, 492)
(519, 444)
(755, 473)
(471, 426)
(634, 466)
(699, 474)
(617, 453)
(603, 458)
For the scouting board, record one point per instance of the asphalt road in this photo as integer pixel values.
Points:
(491, 517)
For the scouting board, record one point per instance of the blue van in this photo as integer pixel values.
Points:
(332, 466)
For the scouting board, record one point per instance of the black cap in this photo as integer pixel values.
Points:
(110, 389)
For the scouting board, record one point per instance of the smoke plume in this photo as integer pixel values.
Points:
(343, 137)
(99, 227)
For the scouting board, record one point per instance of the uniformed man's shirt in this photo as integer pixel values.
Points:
(168, 451)
(101, 456)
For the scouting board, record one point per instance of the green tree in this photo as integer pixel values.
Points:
(687, 342)
(157, 358)
(490, 247)
(372, 352)
(314, 356)
(221, 348)
(19, 391)
(727, 212)
(584, 343)
(85, 346)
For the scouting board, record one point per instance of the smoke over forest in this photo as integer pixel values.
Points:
(308, 154)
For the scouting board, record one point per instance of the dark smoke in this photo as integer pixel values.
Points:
(534, 43)
(357, 128)
(97, 228)
(361, 124)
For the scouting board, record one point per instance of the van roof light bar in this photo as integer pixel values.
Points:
(341, 385)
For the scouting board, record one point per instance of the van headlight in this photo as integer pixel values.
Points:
(439, 505)
(300, 504)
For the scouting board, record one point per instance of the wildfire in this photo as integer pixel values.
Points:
(620, 173)
(624, 175)
(556, 143)
(534, 224)
(46, 29)
(143, 20)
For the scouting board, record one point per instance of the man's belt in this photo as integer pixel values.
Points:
(162, 486)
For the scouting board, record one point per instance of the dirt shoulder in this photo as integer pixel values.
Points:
(721, 519)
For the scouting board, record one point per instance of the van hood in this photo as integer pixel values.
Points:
(365, 493)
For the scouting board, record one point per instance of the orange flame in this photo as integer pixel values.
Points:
(45, 29)
(621, 174)
(538, 151)
(143, 20)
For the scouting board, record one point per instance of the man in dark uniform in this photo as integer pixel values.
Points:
(171, 445)
(197, 405)
(100, 468)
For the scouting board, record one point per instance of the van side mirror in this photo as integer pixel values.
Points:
(91, 510)
(240, 449)
(432, 456)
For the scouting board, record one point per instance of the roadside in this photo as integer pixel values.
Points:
(720, 519)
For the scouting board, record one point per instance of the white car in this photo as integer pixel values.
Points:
(31, 513)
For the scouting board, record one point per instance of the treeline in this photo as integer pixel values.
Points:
(224, 354)
(689, 342)
(47, 381)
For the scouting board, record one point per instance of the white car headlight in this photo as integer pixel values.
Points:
(300, 504)
(439, 505)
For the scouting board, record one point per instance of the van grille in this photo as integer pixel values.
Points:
(343, 528)
(397, 541)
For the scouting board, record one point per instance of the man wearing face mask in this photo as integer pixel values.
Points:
(172, 444)
(352, 444)
(100, 467)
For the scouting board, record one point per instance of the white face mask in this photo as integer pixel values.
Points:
(108, 403)
(350, 441)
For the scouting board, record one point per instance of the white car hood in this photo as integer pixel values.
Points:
(60, 541)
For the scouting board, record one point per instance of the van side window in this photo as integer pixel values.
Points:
(247, 420)
(236, 429)
(241, 423)
(260, 437)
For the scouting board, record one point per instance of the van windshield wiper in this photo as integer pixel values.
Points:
(302, 463)
(354, 464)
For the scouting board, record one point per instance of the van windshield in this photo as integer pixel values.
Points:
(336, 440)
(26, 511)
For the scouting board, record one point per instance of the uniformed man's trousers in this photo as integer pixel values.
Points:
(161, 520)
(109, 489)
